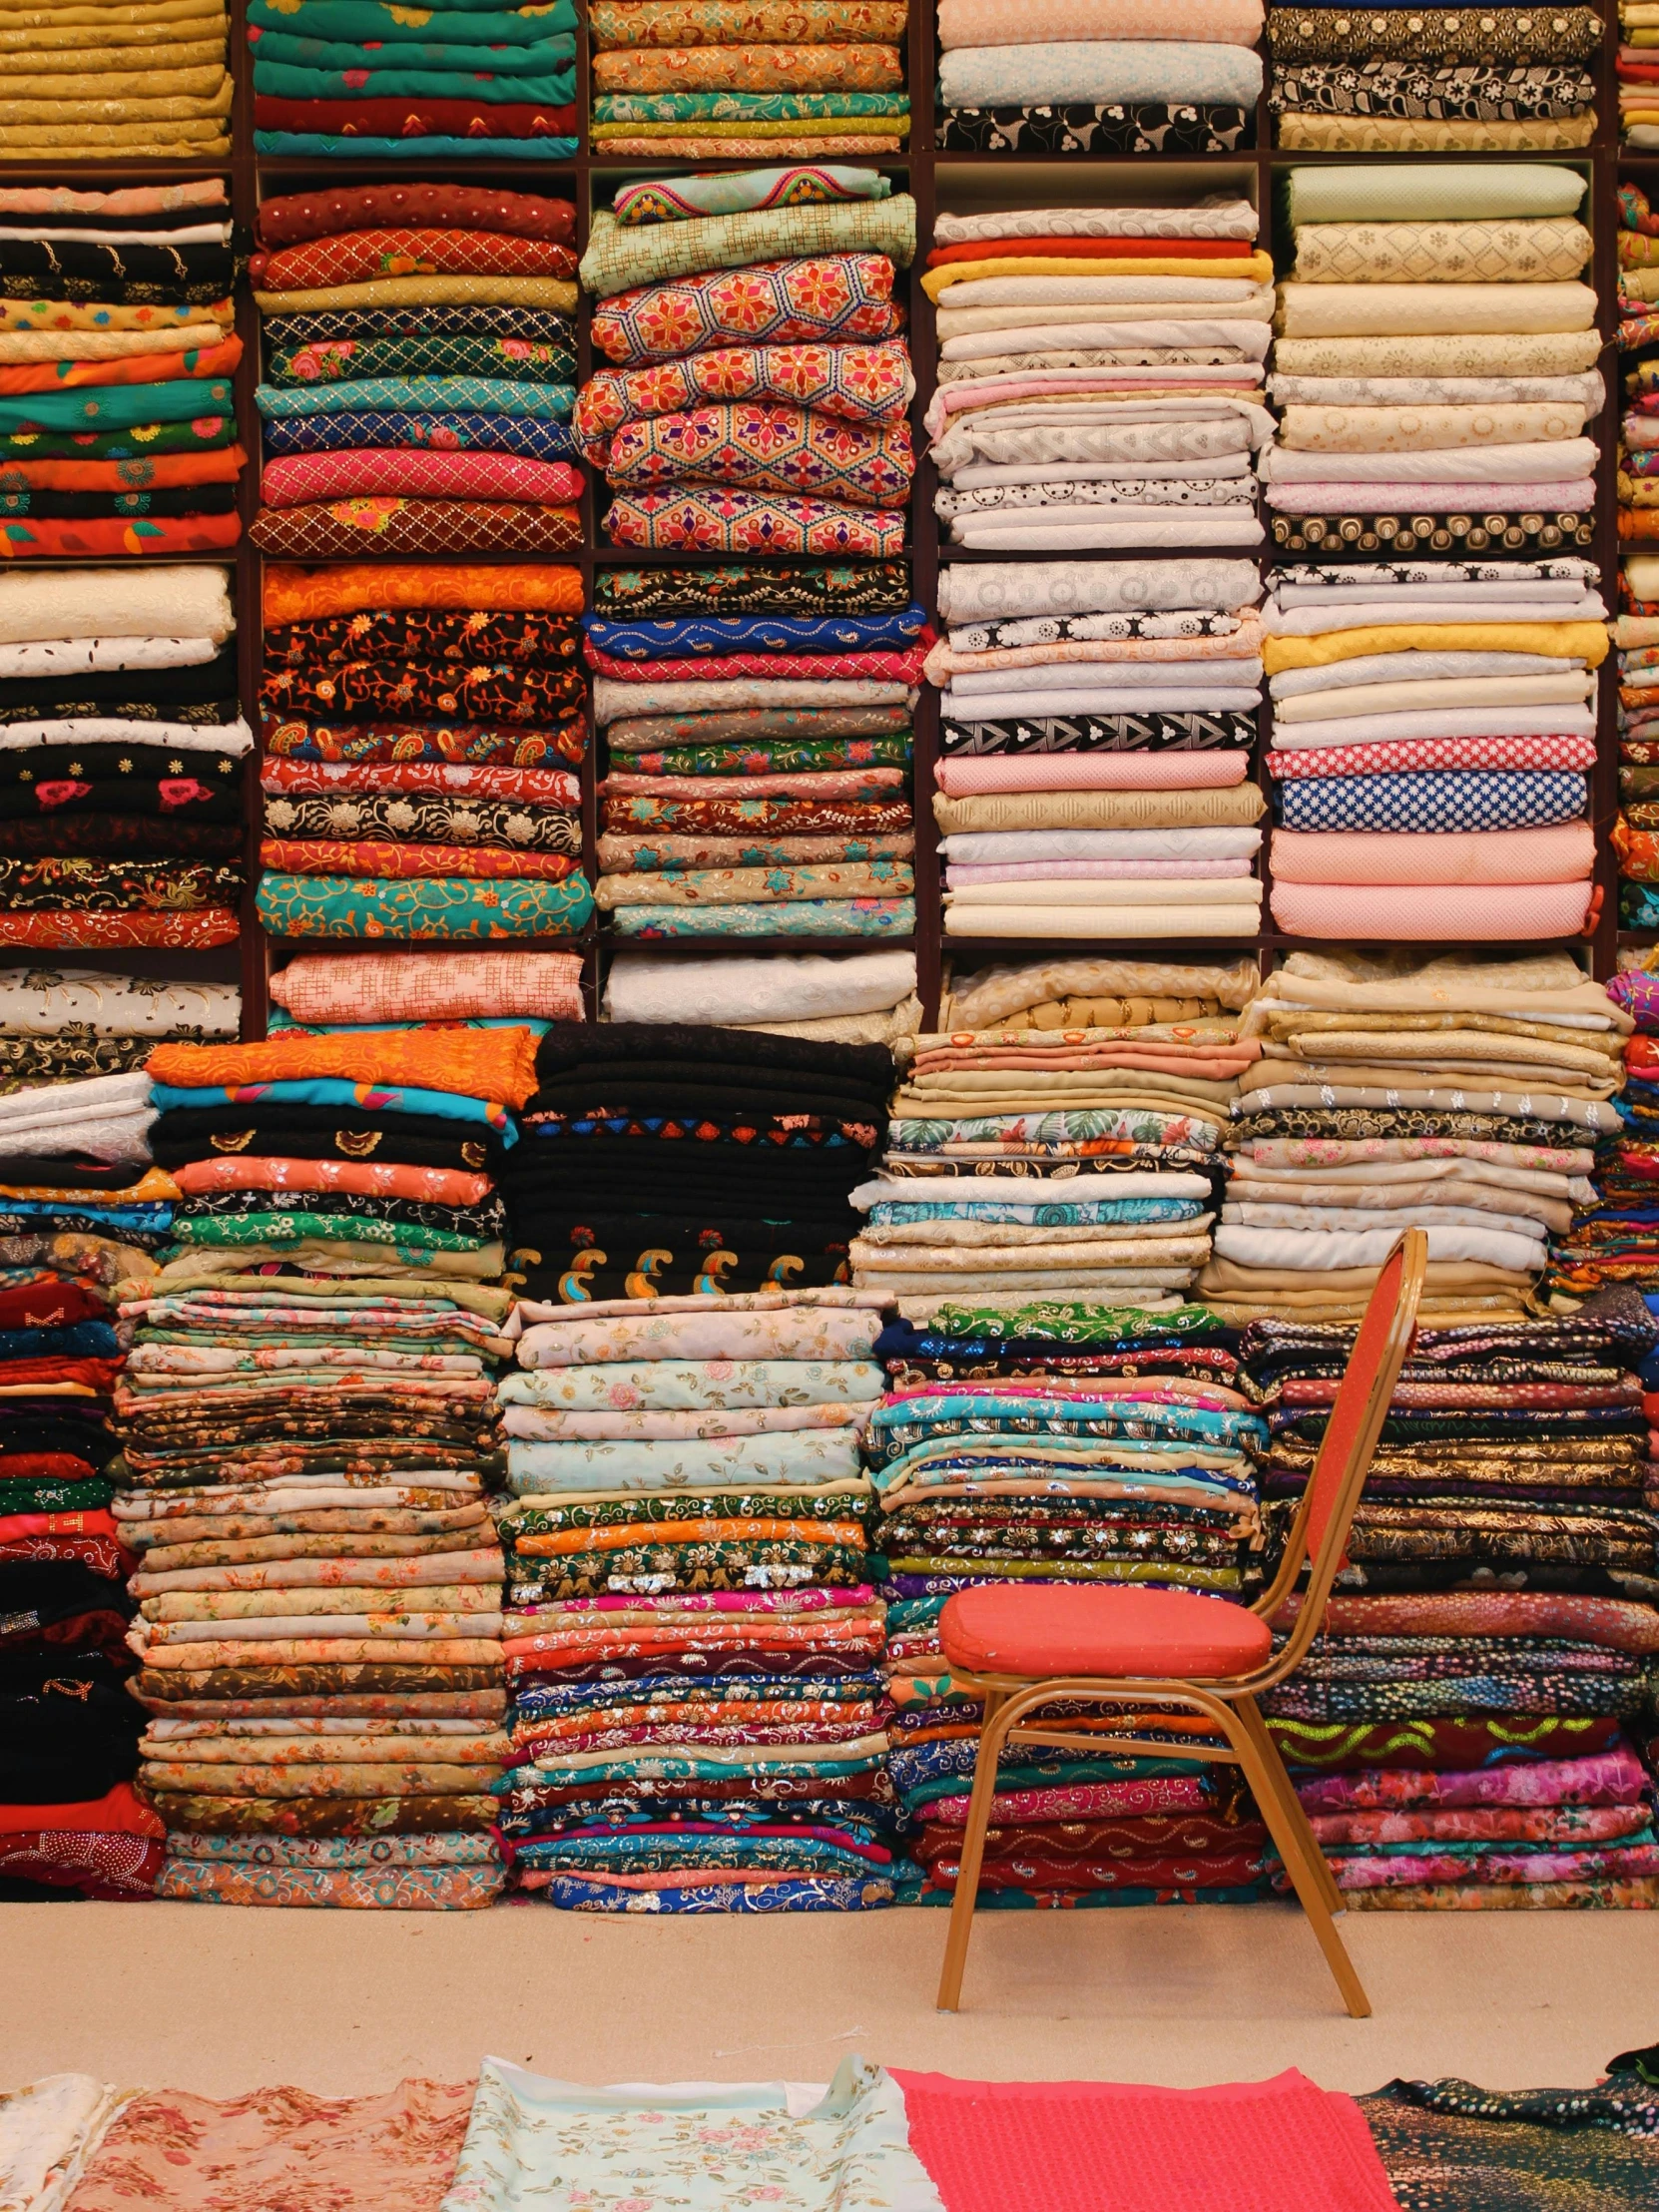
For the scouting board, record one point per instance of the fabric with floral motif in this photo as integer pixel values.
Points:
(424, 907)
(831, 295)
(715, 520)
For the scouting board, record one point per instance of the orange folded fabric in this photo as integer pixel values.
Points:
(374, 857)
(156, 472)
(497, 1064)
(130, 368)
(560, 1540)
(297, 594)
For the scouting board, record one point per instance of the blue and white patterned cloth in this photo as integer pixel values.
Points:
(1466, 799)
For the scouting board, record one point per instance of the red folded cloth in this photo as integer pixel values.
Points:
(412, 118)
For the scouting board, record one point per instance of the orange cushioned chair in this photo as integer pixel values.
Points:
(1169, 1652)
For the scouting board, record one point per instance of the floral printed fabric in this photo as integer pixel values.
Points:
(1106, 127)
(852, 587)
(619, 258)
(299, 357)
(424, 819)
(716, 521)
(374, 688)
(481, 744)
(529, 2136)
(1506, 34)
(719, 22)
(377, 1890)
(748, 69)
(838, 917)
(431, 906)
(863, 383)
(1413, 91)
(832, 295)
(767, 449)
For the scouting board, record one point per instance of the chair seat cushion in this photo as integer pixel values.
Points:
(1129, 1631)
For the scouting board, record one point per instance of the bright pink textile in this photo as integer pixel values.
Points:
(1284, 2145)
(1491, 912)
(1406, 756)
(1563, 852)
(1093, 771)
(374, 471)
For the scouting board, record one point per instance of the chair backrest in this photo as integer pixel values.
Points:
(1356, 1418)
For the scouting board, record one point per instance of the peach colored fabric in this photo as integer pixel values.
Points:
(1093, 771)
(1562, 853)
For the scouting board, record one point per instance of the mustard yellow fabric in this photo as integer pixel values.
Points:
(1255, 268)
(424, 291)
(1584, 640)
(46, 315)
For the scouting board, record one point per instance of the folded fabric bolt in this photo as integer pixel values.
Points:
(1486, 912)
(1563, 854)
(1093, 771)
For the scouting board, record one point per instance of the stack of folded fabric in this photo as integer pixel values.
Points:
(117, 350)
(1638, 474)
(692, 1640)
(1460, 1719)
(1457, 1095)
(756, 399)
(366, 80)
(1100, 375)
(1618, 1240)
(1117, 1077)
(1098, 76)
(1637, 73)
(117, 84)
(81, 1207)
(421, 361)
(1636, 635)
(1117, 805)
(678, 1161)
(62, 1025)
(121, 744)
(1434, 729)
(757, 721)
(727, 80)
(307, 1419)
(423, 723)
(833, 998)
(1398, 78)
(1436, 340)
(1061, 1443)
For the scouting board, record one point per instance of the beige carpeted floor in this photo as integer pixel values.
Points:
(220, 2001)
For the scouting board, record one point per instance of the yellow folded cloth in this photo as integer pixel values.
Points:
(1582, 641)
(65, 314)
(424, 291)
(140, 80)
(1256, 268)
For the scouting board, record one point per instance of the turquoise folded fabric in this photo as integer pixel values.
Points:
(827, 917)
(324, 146)
(118, 406)
(446, 906)
(387, 23)
(331, 1090)
(1099, 69)
(1433, 192)
(281, 82)
(414, 395)
(516, 62)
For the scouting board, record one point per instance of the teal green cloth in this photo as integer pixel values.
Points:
(805, 918)
(280, 1229)
(415, 396)
(370, 21)
(284, 82)
(532, 2144)
(118, 406)
(442, 906)
(515, 62)
(1433, 192)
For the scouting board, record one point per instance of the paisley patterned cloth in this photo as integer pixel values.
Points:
(426, 819)
(527, 639)
(374, 689)
(1106, 127)
(848, 587)
(863, 383)
(767, 449)
(831, 295)
(376, 1889)
(117, 538)
(483, 745)
(326, 857)
(347, 528)
(738, 68)
(716, 521)
(426, 907)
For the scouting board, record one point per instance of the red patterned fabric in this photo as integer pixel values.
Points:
(349, 528)
(1407, 755)
(373, 470)
(708, 521)
(359, 257)
(319, 215)
(476, 119)
(822, 296)
(98, 1862)
(115, 537)
(537, 786)
(767, 448)
(863, 383)
(72, 933)
(375, 858)
(883, 668)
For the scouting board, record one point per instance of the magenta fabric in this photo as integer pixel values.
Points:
(880, 667)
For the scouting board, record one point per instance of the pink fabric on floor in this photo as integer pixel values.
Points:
(1093, 771)
(1565, 852)
(375, 471)
(1284, 2145)
(1572, 495)
(1410, 755)
(1083, 871)
(1491, 912)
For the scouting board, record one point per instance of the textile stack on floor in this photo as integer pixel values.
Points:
(756, 399)
(307, 1421)
(366, 80)
(117, 84)
(1456, 293)
(1638, 74)
(757, 721)
(1433, 724)
(421, 363)
(117, 349)
(424, 727)
(693, 1643)
(1459, 1095)
(1100, 375)
(1096, 725)
(839, 998)
(722, 79)
(1114, 1076)
(1098, 76)
(1457, 1731)
(1396, 78)
(121, 748)
(82, 1208)
(1635, 834)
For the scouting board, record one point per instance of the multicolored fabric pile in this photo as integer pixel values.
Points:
(1458, 1728)
(727, 80)
(1459, 1095)
(1614, 1242)
(756, 399)
(1094, 771)
(1637, 74)
(367, 80)
(423, 723)
(692, 1638)
(1100, 377)
(121, 749)
(1638, 474)
(757, 721)
(1396, 78)
(308, 1427)
(1098, 76)
(1635, 833)
(82, 1208)
(118, 430)
(421, 365)
(117, 84)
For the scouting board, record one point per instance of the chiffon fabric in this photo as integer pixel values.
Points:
(359, 82)
(715, 81)
(1101, 77)
(143, 90)
(422, 368)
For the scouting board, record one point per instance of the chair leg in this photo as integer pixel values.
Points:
(973, 1852)
(1303, 1877)
(1285, 1790)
